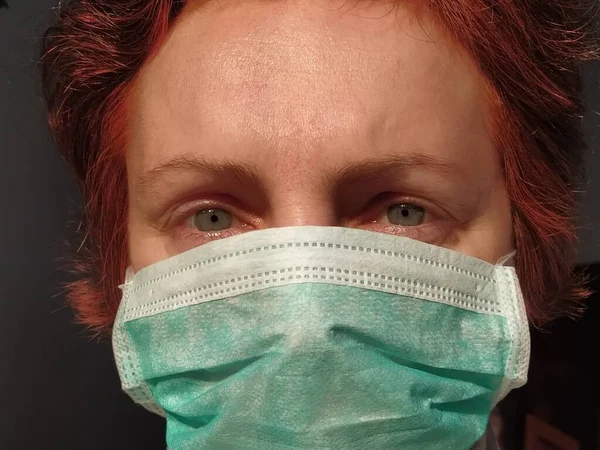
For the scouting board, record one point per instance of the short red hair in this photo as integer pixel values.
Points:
(530, 53)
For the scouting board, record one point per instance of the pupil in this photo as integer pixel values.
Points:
(214, 218)
(404, 212)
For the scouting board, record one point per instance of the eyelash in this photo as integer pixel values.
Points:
(425, 232)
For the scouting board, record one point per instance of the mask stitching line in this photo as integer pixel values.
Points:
(136, 387)
(471, 301)
(507, 382)
(520, 317)
(316, 269)
(325, 245)
(515, 370)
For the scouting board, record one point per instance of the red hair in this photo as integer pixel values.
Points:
(529, 52)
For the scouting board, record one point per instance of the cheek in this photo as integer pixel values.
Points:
(490, 236)
(146, 244)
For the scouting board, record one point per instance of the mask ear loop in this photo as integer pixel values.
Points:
(128, 275)
(507, 260)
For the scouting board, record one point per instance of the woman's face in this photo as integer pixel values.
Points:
(269, 114)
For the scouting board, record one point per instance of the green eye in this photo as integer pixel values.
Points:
(212, 220)
(406, 215)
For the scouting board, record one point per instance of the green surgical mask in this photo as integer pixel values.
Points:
(321, 338)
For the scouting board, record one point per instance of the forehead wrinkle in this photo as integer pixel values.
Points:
(237, 90)
(272, 73)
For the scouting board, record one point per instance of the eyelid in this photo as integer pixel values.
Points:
(191, 218)
(434, 229)
(182, 215)
(381, 206)
(378, 208)
(189, 236)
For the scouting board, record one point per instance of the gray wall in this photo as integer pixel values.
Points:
(62, 390)
(589, 233)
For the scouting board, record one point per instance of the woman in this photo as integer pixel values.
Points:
(313, 209)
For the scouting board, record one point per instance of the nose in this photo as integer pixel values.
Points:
(298, 210)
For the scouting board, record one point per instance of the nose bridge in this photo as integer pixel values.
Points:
(300, 195)
(301, 207)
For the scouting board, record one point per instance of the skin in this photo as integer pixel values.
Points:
(337, 111)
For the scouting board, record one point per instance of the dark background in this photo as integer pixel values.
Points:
(60, 390)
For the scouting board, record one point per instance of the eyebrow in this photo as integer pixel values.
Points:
(247, 174)
(244, 174)
(385, 166)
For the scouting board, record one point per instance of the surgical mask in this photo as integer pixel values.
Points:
(321, 338)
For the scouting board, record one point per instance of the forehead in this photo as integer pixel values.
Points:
(271, 81)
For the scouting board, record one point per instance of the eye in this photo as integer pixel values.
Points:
(406, 215)
(212, 219)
